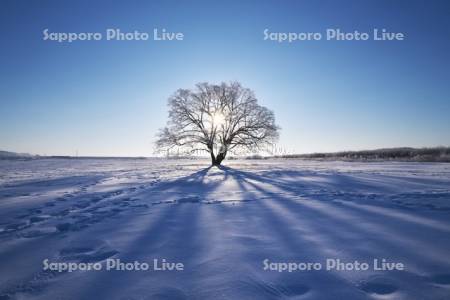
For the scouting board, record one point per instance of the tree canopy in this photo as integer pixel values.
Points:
(217, 119)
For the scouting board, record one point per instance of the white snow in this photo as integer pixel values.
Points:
(221, 224)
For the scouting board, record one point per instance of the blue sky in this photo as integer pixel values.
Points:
(109, 97)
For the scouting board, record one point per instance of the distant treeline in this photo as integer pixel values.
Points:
(436, 154)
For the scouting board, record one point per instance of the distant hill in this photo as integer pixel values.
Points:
(435, 154)
(14, 155)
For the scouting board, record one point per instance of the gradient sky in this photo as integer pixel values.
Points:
(109, 97)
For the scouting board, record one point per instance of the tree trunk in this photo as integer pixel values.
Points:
(213, 158)
(220, 157)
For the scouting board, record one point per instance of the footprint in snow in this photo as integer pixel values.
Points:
(35, 211)
(140, 206)
(168, 293)
(96, 199)
(61, 213)
(34, 233)
(296, 290)
(378, 286)
(82, 204)
(442, 279)
(64, 227)
(87, 251)
(38, 219)
(189, 199)
(15, 226)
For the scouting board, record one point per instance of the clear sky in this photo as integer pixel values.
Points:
(109, 97)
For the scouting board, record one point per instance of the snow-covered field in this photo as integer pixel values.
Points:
(222, 225)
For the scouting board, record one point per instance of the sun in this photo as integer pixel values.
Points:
(219, 119)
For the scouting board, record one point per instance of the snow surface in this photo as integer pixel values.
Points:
(222, 224)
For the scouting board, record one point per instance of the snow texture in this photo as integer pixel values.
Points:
(222, 223)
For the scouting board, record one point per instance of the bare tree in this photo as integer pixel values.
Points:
(217, 119)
